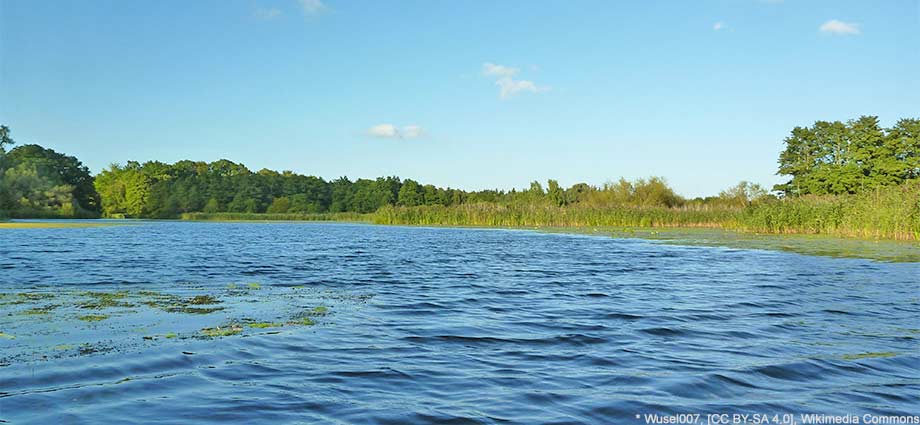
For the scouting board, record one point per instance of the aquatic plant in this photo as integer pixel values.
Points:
(319, 311)
(218, 331)
(303, 321)
(38, 310)
(93, 317)
(102, 300)
(263, 325)
(869, 355)
(203, 300)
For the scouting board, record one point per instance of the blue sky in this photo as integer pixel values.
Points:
(465, 94)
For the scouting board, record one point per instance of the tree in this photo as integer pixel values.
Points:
(836, 158)
(411, 194)
(4, 139)
(59, 169)
(742, 194)
(555, 193)
(211, 207)
(279, 205)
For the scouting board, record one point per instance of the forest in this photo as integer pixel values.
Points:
(851, 178)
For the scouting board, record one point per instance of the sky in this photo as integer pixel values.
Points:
(466, 94)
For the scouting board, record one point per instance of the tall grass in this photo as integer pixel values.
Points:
(531, 215)
(891, 212)
(885, 213)
(228, 216)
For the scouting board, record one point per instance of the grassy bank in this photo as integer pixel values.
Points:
(276, 217)
(887, 213)
(495, 215)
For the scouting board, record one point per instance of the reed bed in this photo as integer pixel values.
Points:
(891, 212)
(486, 214)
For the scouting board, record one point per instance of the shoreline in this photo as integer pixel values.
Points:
(876, 249)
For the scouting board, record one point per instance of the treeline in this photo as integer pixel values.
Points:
(158, 190)
(41, 183)
(850, 179)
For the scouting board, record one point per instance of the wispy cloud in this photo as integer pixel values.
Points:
(718, 26)
(312, 7)
(507, 84)
(268, 13)
(836, 27)
(494, 70)
(390, 131)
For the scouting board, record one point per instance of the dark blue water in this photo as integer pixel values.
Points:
(450, 326)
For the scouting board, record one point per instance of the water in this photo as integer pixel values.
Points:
(442, 326)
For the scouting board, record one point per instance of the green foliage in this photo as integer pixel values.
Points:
(39, 182)
(846, 158)
(534, 215)
(890, 212)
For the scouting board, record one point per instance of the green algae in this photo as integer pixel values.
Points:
(821, 245)
(39, 311)
(103, 300)
(203, 299)
(319, 311)
(93, 317)
(303, 321)
(215, 332)
(869, 355)
(79, 317)
(254, 285)
(263, 325)
(35, 296)
(176, 304)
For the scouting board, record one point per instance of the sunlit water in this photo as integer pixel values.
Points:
(441, 325)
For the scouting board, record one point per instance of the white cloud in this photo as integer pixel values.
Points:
(493, 70)
(268, 14)
(312, 7)
(412, 132)
(390, 131)
(718, 25)
(508, 86)
(839, 28)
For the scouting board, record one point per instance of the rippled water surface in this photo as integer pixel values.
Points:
(371, 324)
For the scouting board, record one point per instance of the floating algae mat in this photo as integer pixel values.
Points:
(40, 324)
(879, 250)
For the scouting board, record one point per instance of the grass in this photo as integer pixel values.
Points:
(891, 213)
(885, 213)
(537, 215)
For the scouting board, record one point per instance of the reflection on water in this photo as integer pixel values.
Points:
(179, 322)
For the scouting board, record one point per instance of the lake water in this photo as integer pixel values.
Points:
(373, 324)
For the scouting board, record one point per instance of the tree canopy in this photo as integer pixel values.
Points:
(837, 158)
(39, 182)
